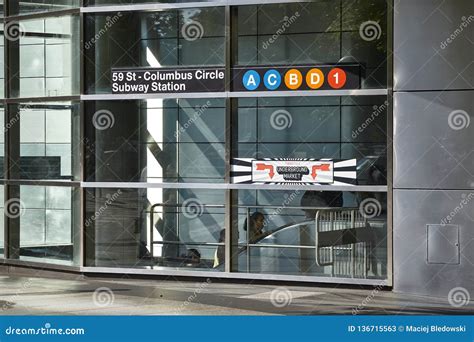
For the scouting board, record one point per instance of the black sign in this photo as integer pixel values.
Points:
(165, 80)
(307, 77)
(212, 79)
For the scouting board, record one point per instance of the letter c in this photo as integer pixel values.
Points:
(272, 79)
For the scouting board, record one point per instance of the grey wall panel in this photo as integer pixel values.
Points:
(434, 140)
(413, 211)
(433, 44)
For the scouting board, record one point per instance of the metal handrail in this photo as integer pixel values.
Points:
(352, 225)
(167, 205)
(189, 243)
(248, 245)
(316, 242)
(254, 206)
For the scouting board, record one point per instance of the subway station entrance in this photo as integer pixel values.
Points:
(223, 140)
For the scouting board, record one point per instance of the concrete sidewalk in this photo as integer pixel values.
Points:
(21, 295)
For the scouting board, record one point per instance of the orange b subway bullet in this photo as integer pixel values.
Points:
(293, 79)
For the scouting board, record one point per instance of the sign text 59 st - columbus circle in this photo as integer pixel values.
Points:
(152, 81)
(244, 79)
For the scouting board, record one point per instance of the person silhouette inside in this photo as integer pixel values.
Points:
(255, 226)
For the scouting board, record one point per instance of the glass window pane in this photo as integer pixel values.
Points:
(49, 140)
(2, 57)
(186, 37)
(318, 32)
(2, 219)
(48, 224)
(299, 232)
(4, 128)
(318, 127)
(187, 228)
(172, 140)
(48, 58)
(35, 6)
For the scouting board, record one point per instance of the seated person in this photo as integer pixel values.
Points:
(255, 226)
(219, 255)
(192, 257)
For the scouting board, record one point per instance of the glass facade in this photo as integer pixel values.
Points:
(93, 178)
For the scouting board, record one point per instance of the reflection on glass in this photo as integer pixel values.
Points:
(18, 7)
(48, 223)
(159, 140)
(154, 228)
(313, 233)
(317, 127)
(2, 218)
(318, 32)
(49, 58)
(188, 37)
(2, 58)
(48, 139)
(3, 129)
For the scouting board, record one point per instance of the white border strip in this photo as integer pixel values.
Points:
(240, 94)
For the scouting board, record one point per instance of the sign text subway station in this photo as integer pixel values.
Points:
(212, 79)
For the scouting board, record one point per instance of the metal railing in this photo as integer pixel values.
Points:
(152, 227)
(337, 231)
(344, 221)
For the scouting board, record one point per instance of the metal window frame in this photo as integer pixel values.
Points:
(231, 189)
(232, 186)
(176, 272)
(171, 6)
(390, 155)
(236, 94)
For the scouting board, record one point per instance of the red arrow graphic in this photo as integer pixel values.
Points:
(322, 167)
(263, 167)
